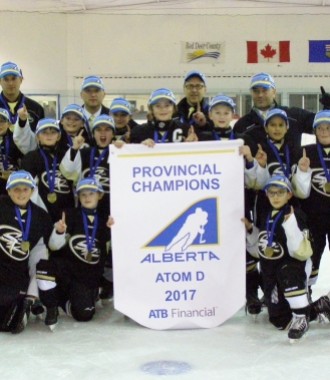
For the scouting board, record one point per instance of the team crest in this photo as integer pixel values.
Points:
(10, 243)
(78, 246)
(276, 251)
(61, 183)
(318, 181)
(102, 175)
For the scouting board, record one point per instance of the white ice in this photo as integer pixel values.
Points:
(114, 347)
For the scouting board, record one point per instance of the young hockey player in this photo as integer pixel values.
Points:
(24, 230)
(284, 250)
(121, 111)
(72, 275)
(87, 162)
(312, 182)
(54, 192)
(221, 113)
(9, 153)
(163, 126)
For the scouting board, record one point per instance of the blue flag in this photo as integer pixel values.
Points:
(319, 51)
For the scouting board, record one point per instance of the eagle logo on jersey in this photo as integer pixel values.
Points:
(78, 246)
(102, 175)
(10, 243)
(277, 250)
(61, 183)
(275, 168)
(318, 181)
(197, 225)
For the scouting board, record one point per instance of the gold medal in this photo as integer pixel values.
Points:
(89, 256)
(269, 252)
(52, 197)
(25, 245)
(5, 174)
(327, 187)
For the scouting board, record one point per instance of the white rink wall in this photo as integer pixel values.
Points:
(138, 53)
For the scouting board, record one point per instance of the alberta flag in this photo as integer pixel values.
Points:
(319, 51)
(268, 51)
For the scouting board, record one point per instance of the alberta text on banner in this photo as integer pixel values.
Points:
(178, 242)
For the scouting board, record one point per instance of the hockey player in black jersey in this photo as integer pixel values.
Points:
(72, 275)
(221, 114)
(312, 181)
(163, 126)
(284, 250)
(54, 192)
(22, 243)
(83, 162)
(121, 111)
(10, 155)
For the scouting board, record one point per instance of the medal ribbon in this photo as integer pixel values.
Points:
(92, 165)
(50, 176)
(13, 118)
(26, 231)
(217, 137)
(163, 138)
(90, 239)
(69, 138)
(323, 163)
(5, 154)
(285, 168)
(271, 230)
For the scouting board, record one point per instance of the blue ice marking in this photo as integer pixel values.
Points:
(166, 367)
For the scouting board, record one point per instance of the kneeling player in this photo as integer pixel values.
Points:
(71, 277)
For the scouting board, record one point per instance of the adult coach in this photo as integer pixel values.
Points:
(193, 108)
(92, 94)
(11, 98)
(263, 92)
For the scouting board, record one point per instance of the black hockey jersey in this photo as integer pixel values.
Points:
(318, 201)
(82, 266)
(34, 163)
(161, 132)
(14, 271)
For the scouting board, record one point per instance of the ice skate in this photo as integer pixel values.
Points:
(322, 307)
(253, 306)
(106, 293)
(298, 327)
(20, 325)
(51, 318)
(37, 309)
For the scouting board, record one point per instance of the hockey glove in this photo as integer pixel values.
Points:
(325, 99)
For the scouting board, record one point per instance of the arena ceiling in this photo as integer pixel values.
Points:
(168, 6)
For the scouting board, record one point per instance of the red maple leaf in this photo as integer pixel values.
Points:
(268, 51)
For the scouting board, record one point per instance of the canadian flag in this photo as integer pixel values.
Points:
(268, 51)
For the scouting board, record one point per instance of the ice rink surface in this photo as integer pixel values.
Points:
(114, 347)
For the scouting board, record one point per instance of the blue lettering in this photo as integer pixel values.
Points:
(158, 313)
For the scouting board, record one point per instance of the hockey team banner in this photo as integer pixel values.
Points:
(202, 52)
(178, 242)
(268, 51)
